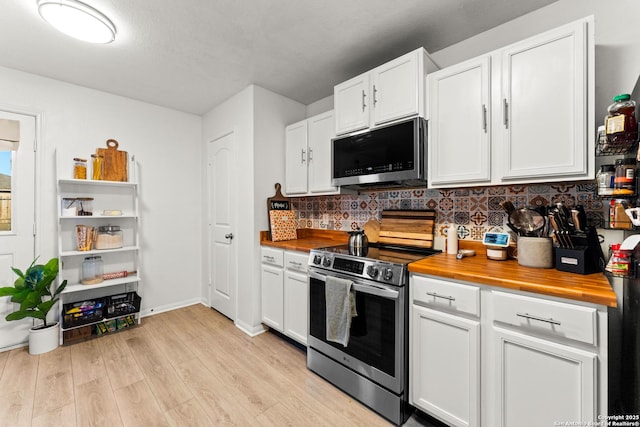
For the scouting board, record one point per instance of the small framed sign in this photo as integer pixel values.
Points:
(282, 224)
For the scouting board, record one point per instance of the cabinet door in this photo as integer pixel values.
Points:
(544, 105)
(445, 366)
(295, 306)
(395, 89)
(321, 130)
(272, 297)
(540, 382)
(459, 123)
(351, 101)
(296, 158)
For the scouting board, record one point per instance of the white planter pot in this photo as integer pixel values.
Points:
(44, 340)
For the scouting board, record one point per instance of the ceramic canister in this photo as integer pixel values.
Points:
(535, 252)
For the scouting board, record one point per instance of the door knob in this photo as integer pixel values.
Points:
(228, 236)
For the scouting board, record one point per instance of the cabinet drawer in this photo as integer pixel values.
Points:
(547, 317)
(272, 256)
(296, 261)
(447, 295)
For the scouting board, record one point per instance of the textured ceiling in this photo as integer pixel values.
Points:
(191, 55)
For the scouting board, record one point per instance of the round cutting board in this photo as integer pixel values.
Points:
(372, 230)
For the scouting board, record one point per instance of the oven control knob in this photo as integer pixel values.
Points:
(387, 274)
(326, 261)
(372, 271)
(317, 259)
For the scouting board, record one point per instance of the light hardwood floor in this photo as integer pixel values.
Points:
(187, 367)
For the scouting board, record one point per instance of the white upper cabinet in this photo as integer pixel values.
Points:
(459, 125)
(296, 158)
(351, 104)
(521, 114)
(320, 133)
(308, 156)
(392, 91)
(545, 105)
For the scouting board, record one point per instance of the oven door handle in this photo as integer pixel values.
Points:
(371, 289)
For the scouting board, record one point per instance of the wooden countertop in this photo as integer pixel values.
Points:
(593, 288)
(308, 238)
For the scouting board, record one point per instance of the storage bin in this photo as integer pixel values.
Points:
(82, 312)
(122, 304)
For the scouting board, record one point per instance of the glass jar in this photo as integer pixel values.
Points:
(79, 168)
(109, 237)
(92, 270)
(605, 179)
(621, 124)
(96, 167)
(624, 183)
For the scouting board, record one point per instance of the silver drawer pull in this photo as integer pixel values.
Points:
(540, 319)
(435, 295)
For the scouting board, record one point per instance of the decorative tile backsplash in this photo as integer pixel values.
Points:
(474, 210)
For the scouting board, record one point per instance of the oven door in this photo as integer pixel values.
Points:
(377, 344)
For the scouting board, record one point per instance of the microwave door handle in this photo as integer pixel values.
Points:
(366, 289)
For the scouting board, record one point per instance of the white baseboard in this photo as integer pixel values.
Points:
(169, 307)
(252, 331)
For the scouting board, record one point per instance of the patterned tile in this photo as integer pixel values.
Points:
(474, 210)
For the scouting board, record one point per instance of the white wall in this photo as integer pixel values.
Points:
(167, 146)
(258, 118)
(617, 36)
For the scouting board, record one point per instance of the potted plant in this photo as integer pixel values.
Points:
(32, 290)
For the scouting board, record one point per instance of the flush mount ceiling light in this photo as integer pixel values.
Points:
(77, 20)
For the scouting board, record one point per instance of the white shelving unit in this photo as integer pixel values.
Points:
(106, 195)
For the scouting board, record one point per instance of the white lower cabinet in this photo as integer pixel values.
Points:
(296, 296)
(445, 351)
(446, 374)
(542, 383)
(285, 292)
(480, 355)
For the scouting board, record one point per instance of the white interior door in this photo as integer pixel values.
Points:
(17, 213)
(222, 264)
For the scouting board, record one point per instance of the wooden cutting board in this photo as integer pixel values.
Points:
(408, 228)
(372, 230)
(114, 162)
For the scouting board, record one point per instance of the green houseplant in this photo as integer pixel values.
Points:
(32, 290)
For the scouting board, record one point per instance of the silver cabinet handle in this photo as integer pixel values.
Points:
(375, 100)
(302, 155)
(228, 236)
(310, 153)
(435, 295)
(363, 104)
(540, 319)
(505, 107)
(484, 118)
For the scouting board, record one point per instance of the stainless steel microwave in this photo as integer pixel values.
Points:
(389, 156)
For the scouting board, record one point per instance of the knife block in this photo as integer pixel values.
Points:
(585, 258)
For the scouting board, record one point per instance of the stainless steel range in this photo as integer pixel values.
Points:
(373, 366)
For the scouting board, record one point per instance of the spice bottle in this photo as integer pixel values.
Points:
(620, 261)
(624, 183)
(96, 167)
(621, 124)
(618, 218)
(79, 168)
(605, 179)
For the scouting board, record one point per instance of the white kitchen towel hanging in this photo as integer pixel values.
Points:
(341, 307)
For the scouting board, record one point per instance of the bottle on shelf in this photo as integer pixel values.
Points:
(624, 183)
(621, 126)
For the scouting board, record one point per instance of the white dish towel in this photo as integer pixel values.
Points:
(341, 307)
